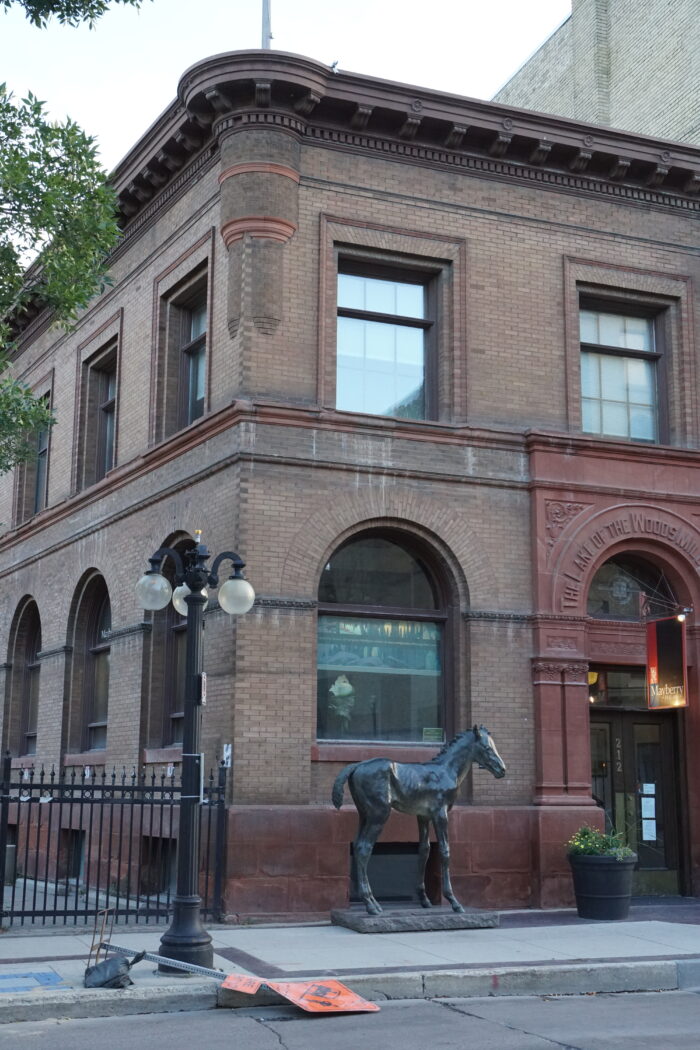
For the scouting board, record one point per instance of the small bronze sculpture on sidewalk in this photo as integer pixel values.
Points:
(425, 789)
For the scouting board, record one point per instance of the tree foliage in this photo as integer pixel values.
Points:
(68, 12)
(22, 417)
(57, 224)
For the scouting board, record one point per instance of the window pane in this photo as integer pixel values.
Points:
(351, 337)
(376, 295)
(378, 679)
(618, 686)
(410, 300)
(612, 329)
(380, 368)
(615, 422)
(409, 348)
(590, 375)
(639, 333)
(375, 571)
(590, 416)
(351, 388)
(40, 482)
(380, 296)
(196, 384)
(198, 321)
(643, 424)
(588, 323)
(351, 291)
(619, 585)
(640, 381)
(411, 405)
(108, 439)
(32, 710)
(612, 378)
(101, 694)
(380, 341)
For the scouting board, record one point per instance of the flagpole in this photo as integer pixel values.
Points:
(266, 29)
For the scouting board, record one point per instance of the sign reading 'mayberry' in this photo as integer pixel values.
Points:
(667, 684)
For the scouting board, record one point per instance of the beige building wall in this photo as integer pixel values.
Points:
(622, 63)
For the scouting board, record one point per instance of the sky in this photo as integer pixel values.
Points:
(115, 79)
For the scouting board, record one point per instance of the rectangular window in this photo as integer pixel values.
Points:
(42, 469)
(619, 380)
(193, 319)
(31, 708)
(383, 336)
(623, 687)
(32, 475)
(379, 679)
(106, 419)
(98, 415)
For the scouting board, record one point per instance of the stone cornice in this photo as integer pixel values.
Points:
(59, 650)
(141, 627)
(345, 110)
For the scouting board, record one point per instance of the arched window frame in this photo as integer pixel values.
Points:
(30, 683)
(165, 684)
(96, 693)
(439, 614)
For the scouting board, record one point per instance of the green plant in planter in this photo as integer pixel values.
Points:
(589, 842)
(601, 866)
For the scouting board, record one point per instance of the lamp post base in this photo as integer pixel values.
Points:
(186, 940)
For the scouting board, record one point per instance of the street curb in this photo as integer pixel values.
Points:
(567, 979)
(105, 1002)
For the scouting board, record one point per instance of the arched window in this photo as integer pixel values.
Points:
(96, 698)
(30, 683)
(22, 696)
(166, 691)
(629, 588)
(381, 637)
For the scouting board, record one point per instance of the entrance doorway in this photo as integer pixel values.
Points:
(635, 774)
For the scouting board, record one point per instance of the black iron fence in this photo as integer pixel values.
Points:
(73, 844)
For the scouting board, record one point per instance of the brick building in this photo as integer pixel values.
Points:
(429, 364)
(618, 62)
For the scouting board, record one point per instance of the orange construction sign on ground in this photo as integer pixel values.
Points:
(316, 997)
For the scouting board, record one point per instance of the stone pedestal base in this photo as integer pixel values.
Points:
(403, 920)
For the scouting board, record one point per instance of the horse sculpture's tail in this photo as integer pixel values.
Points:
(339, 785)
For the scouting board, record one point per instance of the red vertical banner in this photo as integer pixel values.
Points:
(667, 680)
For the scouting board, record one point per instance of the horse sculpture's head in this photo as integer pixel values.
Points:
(486, 756)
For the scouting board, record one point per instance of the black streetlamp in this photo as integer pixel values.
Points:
(186, 939)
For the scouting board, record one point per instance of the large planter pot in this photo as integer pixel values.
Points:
(603, 886)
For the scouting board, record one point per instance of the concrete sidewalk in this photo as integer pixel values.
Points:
(553, 952)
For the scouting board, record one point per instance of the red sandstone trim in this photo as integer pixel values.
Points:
(359, 752)
(262, 168)
(263, 226)
(157, 755)
(93, 759)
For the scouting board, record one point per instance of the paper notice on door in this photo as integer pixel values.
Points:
(649, 830)
(648, 808)
(648, 789)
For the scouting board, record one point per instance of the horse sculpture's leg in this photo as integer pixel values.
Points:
(440, 823)
(423, 851)
(367, 835)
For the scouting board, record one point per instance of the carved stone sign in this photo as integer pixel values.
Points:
(584, 549)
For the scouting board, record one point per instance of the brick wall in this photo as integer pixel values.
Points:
(620, 63)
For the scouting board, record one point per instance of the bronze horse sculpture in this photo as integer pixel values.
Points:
(425, 789)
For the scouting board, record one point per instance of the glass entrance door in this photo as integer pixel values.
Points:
(634, 772)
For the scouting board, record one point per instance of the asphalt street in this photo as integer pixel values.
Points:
(643, 1021)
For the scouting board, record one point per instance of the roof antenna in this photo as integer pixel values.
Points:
(266, 30)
